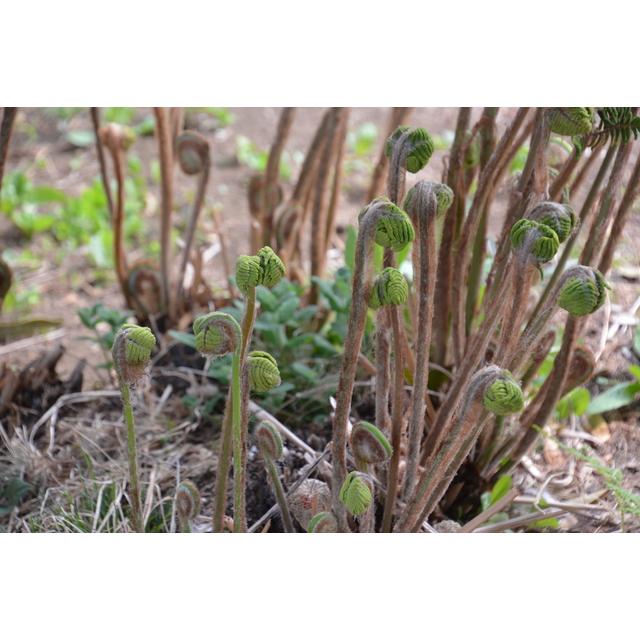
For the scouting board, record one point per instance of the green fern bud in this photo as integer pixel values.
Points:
(560, 217)
(504, 396)
(571, 121)
(187, 502)
(355, 494)
(272, 268)
(269, 440)
(394, 229)
(216, 333)
(263, 371)
(443, 193)
(537, 240)
(390, 288)
(419, 146)
(583, 293)
(131, 351)
(248, 273)
(323, 522)
(369, 444)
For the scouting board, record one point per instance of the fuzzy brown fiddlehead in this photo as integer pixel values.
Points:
(117, 140)
(424, 203)
(195, 159)
(271, 448)
(187, 501)
(369, 445)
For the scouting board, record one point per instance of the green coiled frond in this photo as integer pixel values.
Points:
(355, 494)
(394, 229)
(584, 292)
(389, 288)
(419, 146)
(216, 333)
(504, 396)
(264, 268)
(560, 217)
(571, 121)
(534, 240)
(263, 371)
(131, 351)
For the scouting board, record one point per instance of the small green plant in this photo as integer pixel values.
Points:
(131, 354)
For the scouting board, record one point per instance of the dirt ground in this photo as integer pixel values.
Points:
(64, 289)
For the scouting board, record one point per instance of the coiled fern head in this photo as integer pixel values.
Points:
(355, 493)
(443, 194)
(389, 288)
(504, 395)
(193, 152)
(534, 240)
(264, 268)
(418, 143)
(263, 371)
(187, 502)
(617, 125)
(131, 351)
(369, 444)
(571, 121)
(394, 229)
(560, 217)
(216, 333)
(583, 292)
(269, 440)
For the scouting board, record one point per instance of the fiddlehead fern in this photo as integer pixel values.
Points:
(534, 241)
(560, 217)
(369, 445)
(263, 371)
(355, 494)
(264, 268)
(271, 447)
(503, 396)
(217, 334)
(394, 230)
(583, 293)
(617, 126)
(187, 501)
(418, 147)
(194, 158)
(131, 351)
(571, 121)
(389, 288)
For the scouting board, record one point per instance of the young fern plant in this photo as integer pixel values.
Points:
(131, 351)
(187, 504)
(271, 448)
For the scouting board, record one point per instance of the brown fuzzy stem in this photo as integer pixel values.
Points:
(102, 162)
(630, 194)
(396, 419)
(272, 173)
(8, 119)
(485, 183)
(163, 131)
(424, 222)
(362, 280)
